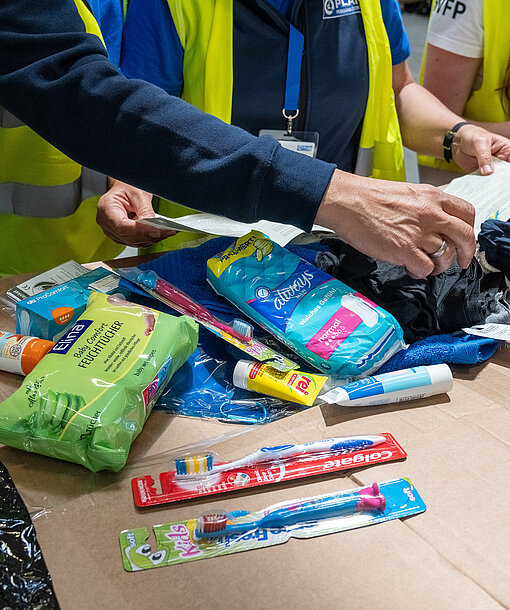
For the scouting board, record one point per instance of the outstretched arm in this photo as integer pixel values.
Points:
(424, 121)
(57, 78)
(450, 77)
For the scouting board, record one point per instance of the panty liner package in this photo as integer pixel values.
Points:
(89, 397)
(336, 330)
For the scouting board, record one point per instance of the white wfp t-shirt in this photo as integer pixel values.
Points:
(457, 26)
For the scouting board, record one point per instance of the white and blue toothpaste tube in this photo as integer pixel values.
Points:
(398, 386)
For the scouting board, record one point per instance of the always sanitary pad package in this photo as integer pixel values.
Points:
(336, 330)
(89, 397)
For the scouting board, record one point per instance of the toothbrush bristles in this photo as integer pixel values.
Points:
(212, 522)
(196, 464)
(242, 328)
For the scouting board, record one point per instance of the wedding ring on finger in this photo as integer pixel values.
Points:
(440, 251)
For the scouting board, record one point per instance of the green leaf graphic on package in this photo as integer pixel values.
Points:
(89, 397)
(55, 410)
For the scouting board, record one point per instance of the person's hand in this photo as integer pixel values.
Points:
(474, 147)
(399, 222)
(117, 213)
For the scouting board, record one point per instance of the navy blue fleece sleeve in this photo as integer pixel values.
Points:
(56, 78)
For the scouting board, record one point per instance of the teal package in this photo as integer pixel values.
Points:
(338, 331)
(49, 314)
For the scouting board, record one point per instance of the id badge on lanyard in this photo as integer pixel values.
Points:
(305, 142)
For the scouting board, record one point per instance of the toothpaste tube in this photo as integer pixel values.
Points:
(398, 386)
(336, 330)
(296, 386)
(19, 354)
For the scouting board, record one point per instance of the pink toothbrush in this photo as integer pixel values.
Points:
(181, 302)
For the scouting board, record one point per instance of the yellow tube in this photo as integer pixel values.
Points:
(295, 386)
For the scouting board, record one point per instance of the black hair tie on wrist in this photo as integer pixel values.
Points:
(448, 140)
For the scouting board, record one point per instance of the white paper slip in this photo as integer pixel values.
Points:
(490, 195)
(281, 234)
(491, 331)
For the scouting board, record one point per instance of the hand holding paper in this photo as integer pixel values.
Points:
(118, 213)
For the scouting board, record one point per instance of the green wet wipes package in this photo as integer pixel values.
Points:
(88, 398)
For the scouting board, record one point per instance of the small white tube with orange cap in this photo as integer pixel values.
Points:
(19, 353)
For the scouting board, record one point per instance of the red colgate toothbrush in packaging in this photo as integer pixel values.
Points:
(196, 476)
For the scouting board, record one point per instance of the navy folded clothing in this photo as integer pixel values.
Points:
(494, 240)
(439, 349)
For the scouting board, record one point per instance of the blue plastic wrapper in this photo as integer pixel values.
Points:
(203, 388)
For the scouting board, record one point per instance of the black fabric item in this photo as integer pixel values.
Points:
(25, 580)
(444, 303)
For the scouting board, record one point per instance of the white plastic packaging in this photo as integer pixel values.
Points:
(398, 386)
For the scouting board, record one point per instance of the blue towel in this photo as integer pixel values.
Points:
(186, 269)
(467, 349)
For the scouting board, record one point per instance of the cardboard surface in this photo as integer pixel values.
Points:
(455, 555)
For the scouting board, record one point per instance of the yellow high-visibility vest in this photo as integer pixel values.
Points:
(47, 201)
(489, 103)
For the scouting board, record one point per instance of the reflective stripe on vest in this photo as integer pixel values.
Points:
(8, 120)
(205, 29)
(47, 201)
(489, 103)
(51, 201)
(364, 162)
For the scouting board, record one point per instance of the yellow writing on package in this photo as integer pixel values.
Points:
(245, 246)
